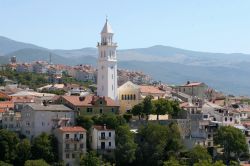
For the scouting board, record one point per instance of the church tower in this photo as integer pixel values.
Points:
(107, 64)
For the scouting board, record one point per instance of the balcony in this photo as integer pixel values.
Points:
(106, 44)
(72, 139)
(79, 150)
(104, 138)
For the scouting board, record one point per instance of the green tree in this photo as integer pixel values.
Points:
(90, 159)
(8, 142)
(125, 146)
(23, 152)
(148, 106)
(174, 142)
(151, 140)
(161, 107)
(199, 153)
(84, 121)
(44, 146)
(111, 120)
(5, 164)
(137, 110)
(39, 162)
(209, 163)
(171, 162)
(232, 140)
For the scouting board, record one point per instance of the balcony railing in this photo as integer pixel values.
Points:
(73, 139)
(73, 150)
(106, 44)
(104, 138)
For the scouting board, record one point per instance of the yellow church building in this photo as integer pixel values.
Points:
(131, 94)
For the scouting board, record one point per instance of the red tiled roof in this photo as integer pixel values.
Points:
(88, 100)
(99, 127)
(21, 99)
(4, 95)
(6, 104)
(72, 129)
(2, 111)
(150, 89)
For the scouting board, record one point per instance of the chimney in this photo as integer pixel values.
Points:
(82, 98)
(188, 82)
(104, 127)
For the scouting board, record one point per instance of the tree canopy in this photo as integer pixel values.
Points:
(232, 140)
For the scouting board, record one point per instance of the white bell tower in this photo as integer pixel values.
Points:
(107, 64)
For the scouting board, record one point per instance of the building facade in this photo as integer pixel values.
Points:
(107, 64)
(37, 118)
(102, 138)
(71, 144)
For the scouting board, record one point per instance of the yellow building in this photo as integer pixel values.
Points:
(128, 96)
(131, 94)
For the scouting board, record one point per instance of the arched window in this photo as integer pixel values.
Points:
(122, 97)
(131, 97)
(125, 97)
(134, 97)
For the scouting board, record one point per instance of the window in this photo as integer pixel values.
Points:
(67, 136)
(112, 76)
(112, 87)
(225, 118)
(109, 143)
(89, 109)
(122, 97)
(75, 146)
(27, 132)
(81, 146)
(134, 97)
(102, 135)
(231, 119)
(73, 155)
(109, 134)
(67, 156)
(81, 136)
(27, 123)
(101, 111)
(67, 146)
(131, 97)
(112, 109)
(42, 123)
(101, 102)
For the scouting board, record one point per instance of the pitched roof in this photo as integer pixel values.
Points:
(49, 107)
(150, 89)
(6, 104)
(107, 28)
(88, 100)
(99, 127)
(2, 111)
(72, 129)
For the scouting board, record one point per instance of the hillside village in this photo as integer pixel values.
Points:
(81, 117)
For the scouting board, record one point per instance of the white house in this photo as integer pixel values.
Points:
(71, 144)
(102, 138)
(38, 118)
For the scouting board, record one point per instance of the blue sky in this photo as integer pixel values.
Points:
(211, 25)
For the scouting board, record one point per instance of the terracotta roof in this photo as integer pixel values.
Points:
(72, 129)
(22, 99)
(150, 89)
(2, 111)
(4, 95)
(99, 127)
(88, 100)
(6, 104)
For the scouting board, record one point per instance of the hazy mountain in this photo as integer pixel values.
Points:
(225, 72)
(7, 45)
